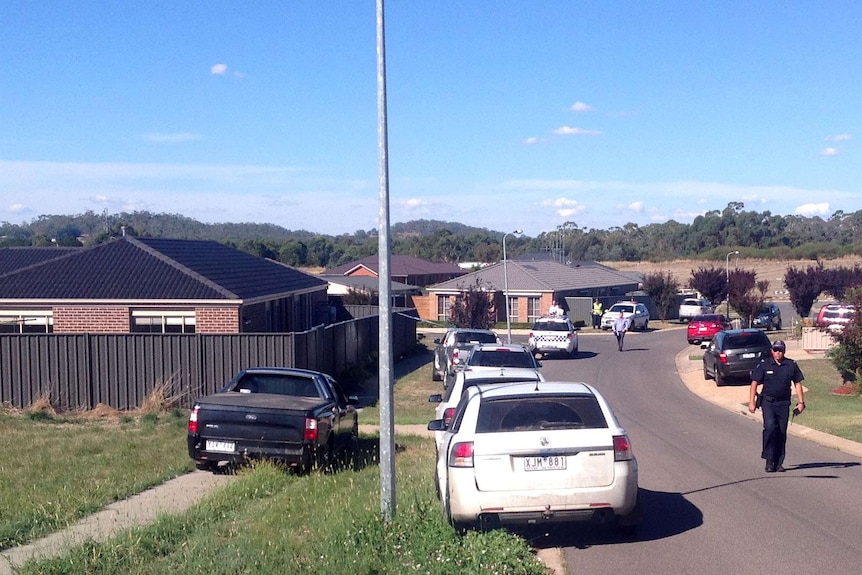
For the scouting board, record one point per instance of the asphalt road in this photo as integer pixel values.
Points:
(708, 505)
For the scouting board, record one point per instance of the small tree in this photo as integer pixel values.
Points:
(711, 283)
(473, 308)
(804, 286)
(741, 292)
(662, 287)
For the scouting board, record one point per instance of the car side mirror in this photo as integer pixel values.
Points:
(704, 345)
(437, 340)
(435, 398)
(437, 425)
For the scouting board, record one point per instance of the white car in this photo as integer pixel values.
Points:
(446, 402)
(637, 314)
(524, 453)
(553, 334)
(692, 306)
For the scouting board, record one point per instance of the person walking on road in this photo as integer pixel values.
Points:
(620, 327)
(777, 374)
(597, 314)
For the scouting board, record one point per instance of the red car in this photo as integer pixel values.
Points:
(703, 327)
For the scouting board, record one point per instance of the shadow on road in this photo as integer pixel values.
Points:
(664, 515)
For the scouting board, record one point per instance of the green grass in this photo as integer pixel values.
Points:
(56, 470)
(268, 521)
(839, 415)
(411, 393)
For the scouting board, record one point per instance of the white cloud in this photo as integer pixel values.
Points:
(565, 207)
(830, 152)
(570, 131)
(416, 203)
(17, 207)
(581, 107)
(809, 210)
(176, 138)
(218, 69)
(636, 206)
(532, 140)
(839, 138)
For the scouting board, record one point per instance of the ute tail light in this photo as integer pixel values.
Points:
(722, 357)
(310, 429)
(461, 454)
(622, 448)
(448, 414)
(193, 419)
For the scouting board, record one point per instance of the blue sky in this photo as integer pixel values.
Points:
(502, 114)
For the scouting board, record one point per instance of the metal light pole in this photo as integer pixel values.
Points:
(506, 287)
(727, 279)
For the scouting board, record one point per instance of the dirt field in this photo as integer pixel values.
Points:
(770, 270)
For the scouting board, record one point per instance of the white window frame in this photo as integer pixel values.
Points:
(30, 318)
(167, 320)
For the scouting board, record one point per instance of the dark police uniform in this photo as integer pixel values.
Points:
(777, 380)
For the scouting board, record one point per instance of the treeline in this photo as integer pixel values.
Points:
(709, 237)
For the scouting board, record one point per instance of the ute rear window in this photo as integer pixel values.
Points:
(540, 413)
(277, 385)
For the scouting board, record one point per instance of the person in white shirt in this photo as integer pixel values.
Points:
(620, 327)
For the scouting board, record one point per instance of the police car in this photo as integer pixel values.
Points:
(553, 335)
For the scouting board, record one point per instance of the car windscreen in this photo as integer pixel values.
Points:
(501, 358)
(741, 340)
(540, 412)
(623, 308)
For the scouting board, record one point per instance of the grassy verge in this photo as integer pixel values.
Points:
(55, 470)
(268, 521)
(839, 415)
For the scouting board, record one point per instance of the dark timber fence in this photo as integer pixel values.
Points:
(79, 371)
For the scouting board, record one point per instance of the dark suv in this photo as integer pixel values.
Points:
(734, 353)
(769, 317)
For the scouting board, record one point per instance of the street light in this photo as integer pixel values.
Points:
(506, 286)
(727, 279)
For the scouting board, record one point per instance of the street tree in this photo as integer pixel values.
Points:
(473, 308)
(711, 283)
(663, 288)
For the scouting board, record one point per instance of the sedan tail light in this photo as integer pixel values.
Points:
(448, 413)
(461, 454)
(722, 357)
(622, 448)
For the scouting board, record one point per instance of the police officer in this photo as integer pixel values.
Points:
(776, 374)
(597, 314)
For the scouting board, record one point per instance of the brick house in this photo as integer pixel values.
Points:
(153, 285)
(532, 285)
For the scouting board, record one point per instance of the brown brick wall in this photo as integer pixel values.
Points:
(92, 319)
(217, 320)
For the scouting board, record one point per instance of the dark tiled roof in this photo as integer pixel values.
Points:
(538, 275)
(400, 265)
(15, 258)
(155, 269)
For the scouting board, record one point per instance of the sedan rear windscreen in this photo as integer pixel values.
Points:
(540, 413)
(501, 359)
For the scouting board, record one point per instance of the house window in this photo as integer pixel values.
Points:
(443, 305)
(513, 309)
(29, 321)
(534, 308)
(163, 321)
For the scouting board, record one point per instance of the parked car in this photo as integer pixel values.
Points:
(454, 347)
(637, 314)
(734, 353)
(834, 316)
(491, 355)
(553, 334)
(467, 378)
(691, 307)
(703, 327)
(525, 453)
(769, 317)
(297, 416)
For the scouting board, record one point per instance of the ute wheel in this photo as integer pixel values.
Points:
(207, 466)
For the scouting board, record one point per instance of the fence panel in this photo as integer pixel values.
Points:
(79, 371)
